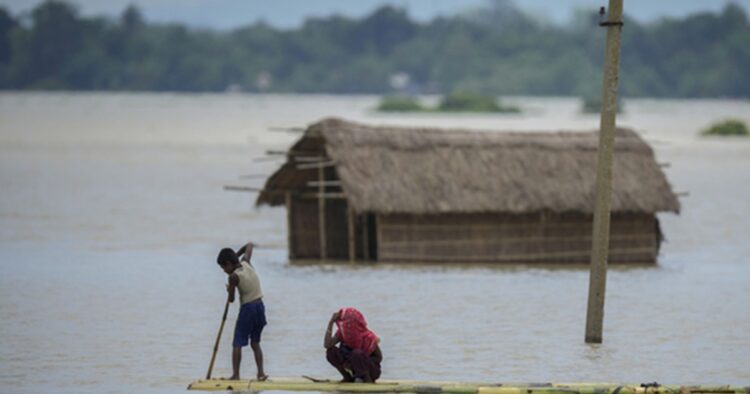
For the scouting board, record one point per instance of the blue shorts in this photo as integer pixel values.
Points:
(250, 323)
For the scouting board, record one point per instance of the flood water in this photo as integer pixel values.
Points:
(112, 212)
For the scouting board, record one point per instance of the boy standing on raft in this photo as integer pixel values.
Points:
(252, 316)
(358, 357)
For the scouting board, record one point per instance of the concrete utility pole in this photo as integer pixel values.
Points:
(600, 236)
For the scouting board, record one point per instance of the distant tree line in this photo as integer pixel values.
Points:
(495, 50)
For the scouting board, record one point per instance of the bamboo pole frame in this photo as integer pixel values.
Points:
(322, 212)
(314, 165)
(325, 183)
(290, 223)
(378, 237)
(317, 195)
(365, 237)
(350, 216)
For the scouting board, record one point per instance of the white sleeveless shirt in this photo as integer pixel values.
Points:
(249, 284)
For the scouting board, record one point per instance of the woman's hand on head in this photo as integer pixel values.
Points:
(335, 317)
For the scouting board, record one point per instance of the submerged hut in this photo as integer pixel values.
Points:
(396, 194)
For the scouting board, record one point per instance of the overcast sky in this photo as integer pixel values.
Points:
(227, 14)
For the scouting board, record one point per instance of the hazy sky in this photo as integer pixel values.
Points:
(224, 14)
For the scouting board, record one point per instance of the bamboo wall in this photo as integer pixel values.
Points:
(303, 214)
(304, 237)
(542, 238)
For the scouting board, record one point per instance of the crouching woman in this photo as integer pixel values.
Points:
(358, 355)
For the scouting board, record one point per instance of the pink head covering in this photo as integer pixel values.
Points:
(353, 332)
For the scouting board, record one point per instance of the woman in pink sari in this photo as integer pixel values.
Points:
(358, 355)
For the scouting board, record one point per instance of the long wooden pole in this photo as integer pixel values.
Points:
(218, 338)
(600, 236)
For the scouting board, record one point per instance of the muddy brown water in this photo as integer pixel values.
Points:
(112, 211)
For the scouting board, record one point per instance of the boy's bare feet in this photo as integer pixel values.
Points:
(233, 377)
(262, 377)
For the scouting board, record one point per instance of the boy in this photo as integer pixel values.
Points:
(252, 316)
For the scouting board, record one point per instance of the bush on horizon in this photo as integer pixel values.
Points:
(464, 101)
(729, 127)
(400, 104)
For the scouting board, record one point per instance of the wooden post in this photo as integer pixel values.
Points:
(322, 212)
(365, 236)
(378, 238)
(600, 236)
(289, 223)
(350, 227)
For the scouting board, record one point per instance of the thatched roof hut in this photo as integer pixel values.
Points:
(425, 173)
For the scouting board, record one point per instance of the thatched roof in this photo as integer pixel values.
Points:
(427, 170)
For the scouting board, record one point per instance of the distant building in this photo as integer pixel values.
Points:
(424, 194)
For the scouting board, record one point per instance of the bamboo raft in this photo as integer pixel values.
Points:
(406, 386)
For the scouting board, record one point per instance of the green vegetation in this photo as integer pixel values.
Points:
(400, 104)
(493, 50)
(730, 127)
(454, 102)
(472, 102)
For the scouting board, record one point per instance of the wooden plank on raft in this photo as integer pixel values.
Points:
(312, 385)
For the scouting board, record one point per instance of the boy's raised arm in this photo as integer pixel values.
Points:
(246, 251)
